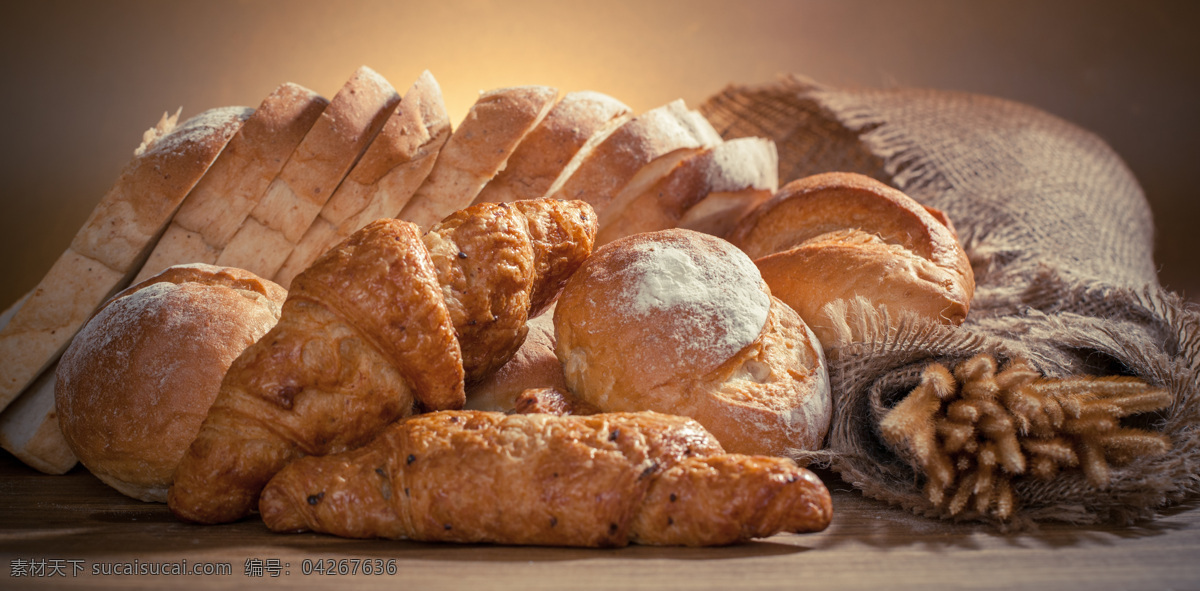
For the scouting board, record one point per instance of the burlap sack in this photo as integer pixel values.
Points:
(1060, 237)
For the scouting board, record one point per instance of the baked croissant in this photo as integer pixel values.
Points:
(601, 480)
(385, 324)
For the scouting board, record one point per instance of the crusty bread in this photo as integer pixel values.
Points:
(215, 209)
(707, 192)
(835, 237)
(633, 157)
(137, 381)
(679, 321)
(477, 150)
(113, 243)
(312, 173)
(546, 151)
(385, 178)
(533, 366)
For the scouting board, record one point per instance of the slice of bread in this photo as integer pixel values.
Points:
(744, 173)
(477, 150)
(634, 157)
(312, 173)
(29, 426)
(383, 181)
(219, 204)
(709, 191)
(547, 150)
(113, 243)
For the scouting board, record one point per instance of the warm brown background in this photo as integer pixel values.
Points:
(83, 79)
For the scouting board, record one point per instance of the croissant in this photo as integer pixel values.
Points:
(602, 480)
(383, 325)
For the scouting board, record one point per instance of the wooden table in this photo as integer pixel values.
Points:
(55, 531)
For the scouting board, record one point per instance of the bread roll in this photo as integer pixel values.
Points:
(838, 236)
(681, 322)
(533, 366)
(136, 382)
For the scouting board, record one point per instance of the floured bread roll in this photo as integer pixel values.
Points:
(681, 322)
(137, 381)
(836, 237)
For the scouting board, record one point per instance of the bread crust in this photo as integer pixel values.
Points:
(138, 379)
(644, 336)
(838, 236)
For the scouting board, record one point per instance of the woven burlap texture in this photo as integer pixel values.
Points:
(1060, 238)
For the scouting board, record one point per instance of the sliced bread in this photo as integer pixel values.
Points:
(389, 173)
(708, 191)
(477, 150)
(216, 208)
(634, 157)
(318, 164)
(547, 150)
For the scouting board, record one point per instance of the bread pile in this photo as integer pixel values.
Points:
(416, 259)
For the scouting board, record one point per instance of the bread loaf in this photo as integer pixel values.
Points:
(138, 379)
(534, 365)
(29, 426)
(830, 238)
(681, 322)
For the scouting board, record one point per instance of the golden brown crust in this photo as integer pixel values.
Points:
(363, 336)
(383, 281)
(741, 497)
(138, 380)
(837, 236)
(680, 322)
(541, 479)
(499, 263)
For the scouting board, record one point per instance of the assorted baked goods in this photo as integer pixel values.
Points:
(602, 481)
(386, 323)
(138, 379)
(681, 322)
(403, 300)
(835, 237)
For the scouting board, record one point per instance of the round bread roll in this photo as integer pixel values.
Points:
(136, 382)
(534, 366)
(680, 322)
(837, 237)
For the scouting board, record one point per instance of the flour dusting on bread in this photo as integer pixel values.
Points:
(725, 299)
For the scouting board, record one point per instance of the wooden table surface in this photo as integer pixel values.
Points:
(57, 531)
